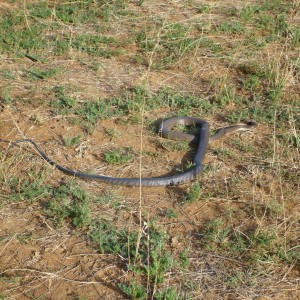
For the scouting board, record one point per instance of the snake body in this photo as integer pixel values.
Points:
(201, 140)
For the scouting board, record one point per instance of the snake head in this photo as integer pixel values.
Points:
(251, 124)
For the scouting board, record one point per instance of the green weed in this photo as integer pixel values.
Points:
(173, 145)
(295, 40)
(134, 290)
(174, 43)
(239, 278)
(71, 142)
(226, 94)
(252, 83)
(94, 45)
(255, 245)
(248, 12)
(267, 81)
(17, 37)
(272, 26)
(9, 279)
(7, 74)
(131, 103)
(34, 73)
(170, 293)
(193, 193)
(183, 260)
(241, 146)
(29, 190)
(119, 156)
(170, 213)
(109, 198)
(24, 238)
(204, 8)
(63, 103)
(277, 6)
(234, 27)
(112, 132)
(22, 33)
(151, 259)
(221, 151)
(92, 112)
(6, 97)
(69, 202)
(215, 233)
(214, 47)
(107, 238)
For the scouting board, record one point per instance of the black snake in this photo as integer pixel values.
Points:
(201, 139)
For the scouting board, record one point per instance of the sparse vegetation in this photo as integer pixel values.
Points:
(109, 70)
(118, 156)
(6, 97)
(69, 202)
(71, 141)
(193, 193)
(149, 260)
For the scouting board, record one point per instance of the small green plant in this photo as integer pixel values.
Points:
(204, 8)
(71, 142)
(227, 95)
(183, 260)
(274, 81)
(4, 278)
(34, 73)
(150, 259)
(170, 293)
(7, 74)
(173, 145)
(237, 279)
(62, 102)
(24, 238)
(131, 103)
(193, 193)
(256, 245)
(112, 132)
(241, 146)
(295, 32)
(16, 37)
(94, 45)
(119, 156)
(234, 27)
(107, 237)
(221, 151)
(215, 233)
(109, 198)
(252, 83)
(6, 97)
(248, 12)
(29, 190)
(69, 202)
(134, 290)
(174, 43)
(93, 111)
(170, 213)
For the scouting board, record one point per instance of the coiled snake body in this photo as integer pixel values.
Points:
(201, 139)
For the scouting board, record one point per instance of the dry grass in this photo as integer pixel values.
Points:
(106, 71)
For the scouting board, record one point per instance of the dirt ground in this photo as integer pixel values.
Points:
(250, 181)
